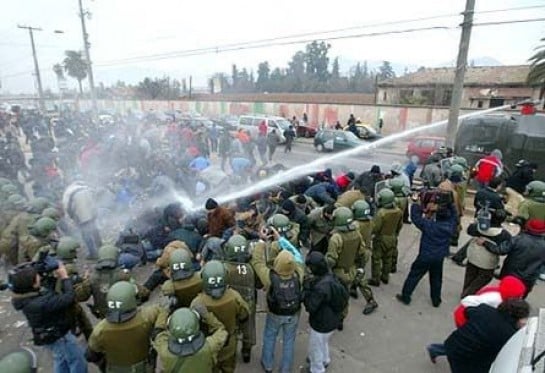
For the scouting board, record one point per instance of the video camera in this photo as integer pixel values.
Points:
(436, 196)
(45, 263)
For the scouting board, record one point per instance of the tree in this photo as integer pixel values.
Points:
(296, 77)
(317, 61)
(263, 71)
(386, 71)
(536, 76)
(152, 88)
(59, 71)
(234, 76)
(335, 73)
(75, 66)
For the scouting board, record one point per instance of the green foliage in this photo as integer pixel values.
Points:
(386, 71)
(75, 66)
(536, 76)
(159, 88)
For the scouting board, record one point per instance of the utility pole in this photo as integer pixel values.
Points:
(458, 87)
(86, 45)
(36, 67)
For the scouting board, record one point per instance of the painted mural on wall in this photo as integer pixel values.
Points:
(395, 118)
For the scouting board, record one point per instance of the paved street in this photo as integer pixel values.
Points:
(392, 339)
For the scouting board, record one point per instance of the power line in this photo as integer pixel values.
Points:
(243, 46)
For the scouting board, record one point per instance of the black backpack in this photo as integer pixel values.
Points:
(339, 294)
(285, 296)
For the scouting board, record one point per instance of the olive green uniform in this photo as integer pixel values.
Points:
(241, 277)
(29, 246)
(320, 228)
(262, 257)
(102, 280)
(402, 203)
(126, 345)
(231, 310)
(346, 253)
(17, 228)
(387, 224)
(348, 198)
(530, 209)
(204, 360)
(183, 290)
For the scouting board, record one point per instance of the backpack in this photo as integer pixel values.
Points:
(285, 296)
(339, 295)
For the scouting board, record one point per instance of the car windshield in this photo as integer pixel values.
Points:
(351, 137)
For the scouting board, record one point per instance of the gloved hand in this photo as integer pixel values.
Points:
(200, 309)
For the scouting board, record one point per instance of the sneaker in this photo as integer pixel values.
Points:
(370, 307)
(265, 369)
(402, 299)
(373, 282)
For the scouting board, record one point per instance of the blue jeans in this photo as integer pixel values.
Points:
(68, 356)
(273, 325)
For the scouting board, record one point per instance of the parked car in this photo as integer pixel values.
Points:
(366, 132)
(335, 140)
(303, 130)
(251, 123)
(423, 146)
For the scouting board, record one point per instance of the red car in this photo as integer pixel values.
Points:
(305, 131)
(423, 146)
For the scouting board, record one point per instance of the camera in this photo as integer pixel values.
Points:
(45, 263)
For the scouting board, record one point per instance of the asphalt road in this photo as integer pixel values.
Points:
(392, 339)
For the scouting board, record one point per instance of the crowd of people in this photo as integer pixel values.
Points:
(113, 194)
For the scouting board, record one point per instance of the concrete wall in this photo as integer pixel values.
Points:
(396, 118)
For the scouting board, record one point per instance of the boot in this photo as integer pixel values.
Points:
(246, 355)
(370, 307)
(353, 292)
(373, 282)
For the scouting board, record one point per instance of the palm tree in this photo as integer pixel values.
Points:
(75, 66)
(536, 76)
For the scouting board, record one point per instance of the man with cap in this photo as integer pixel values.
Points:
(123, 338)
(182, 346)
(219, 218)
(283, 285)
(525, 254)
(325, 298)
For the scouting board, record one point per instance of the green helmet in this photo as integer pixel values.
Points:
(361, 210)
(43, 227)
(121, 301)
(181, 265)
(213, 279)
(536, 191)
(185, 335)
(37, 205)
(385, 198)
(16, 202)
(342, 218)
(67, 249)
(456, 170)
(237, 249)
(108, 256)
(9, 189)
(397, 186)
(52, 213)
(23, 361)
(461, 161)
(280, 222)
(396, 168)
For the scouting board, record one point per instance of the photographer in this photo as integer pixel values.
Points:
(436, 217)
(45, 311)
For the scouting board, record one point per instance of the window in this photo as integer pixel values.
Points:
(480, 104)
(272, 124)
(257, 121)
(495, 102)
(384, 96)
(447, 97)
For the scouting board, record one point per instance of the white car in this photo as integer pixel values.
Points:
(251, 123)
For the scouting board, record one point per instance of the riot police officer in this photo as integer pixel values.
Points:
(346, 254)
(20, 361)
(227, 305)
(67, 251)
(240, 275)
(123, 338)
(387, 224)
(184, 283)
(533, 207)
(105, 275)
(401, 193)
(41, 233)
(184, 347)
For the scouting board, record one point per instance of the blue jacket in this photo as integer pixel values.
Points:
(323, 193)
(435, 240)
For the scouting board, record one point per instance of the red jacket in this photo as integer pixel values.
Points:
(487, 168)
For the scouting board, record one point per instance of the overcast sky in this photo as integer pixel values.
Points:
(128, 28)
